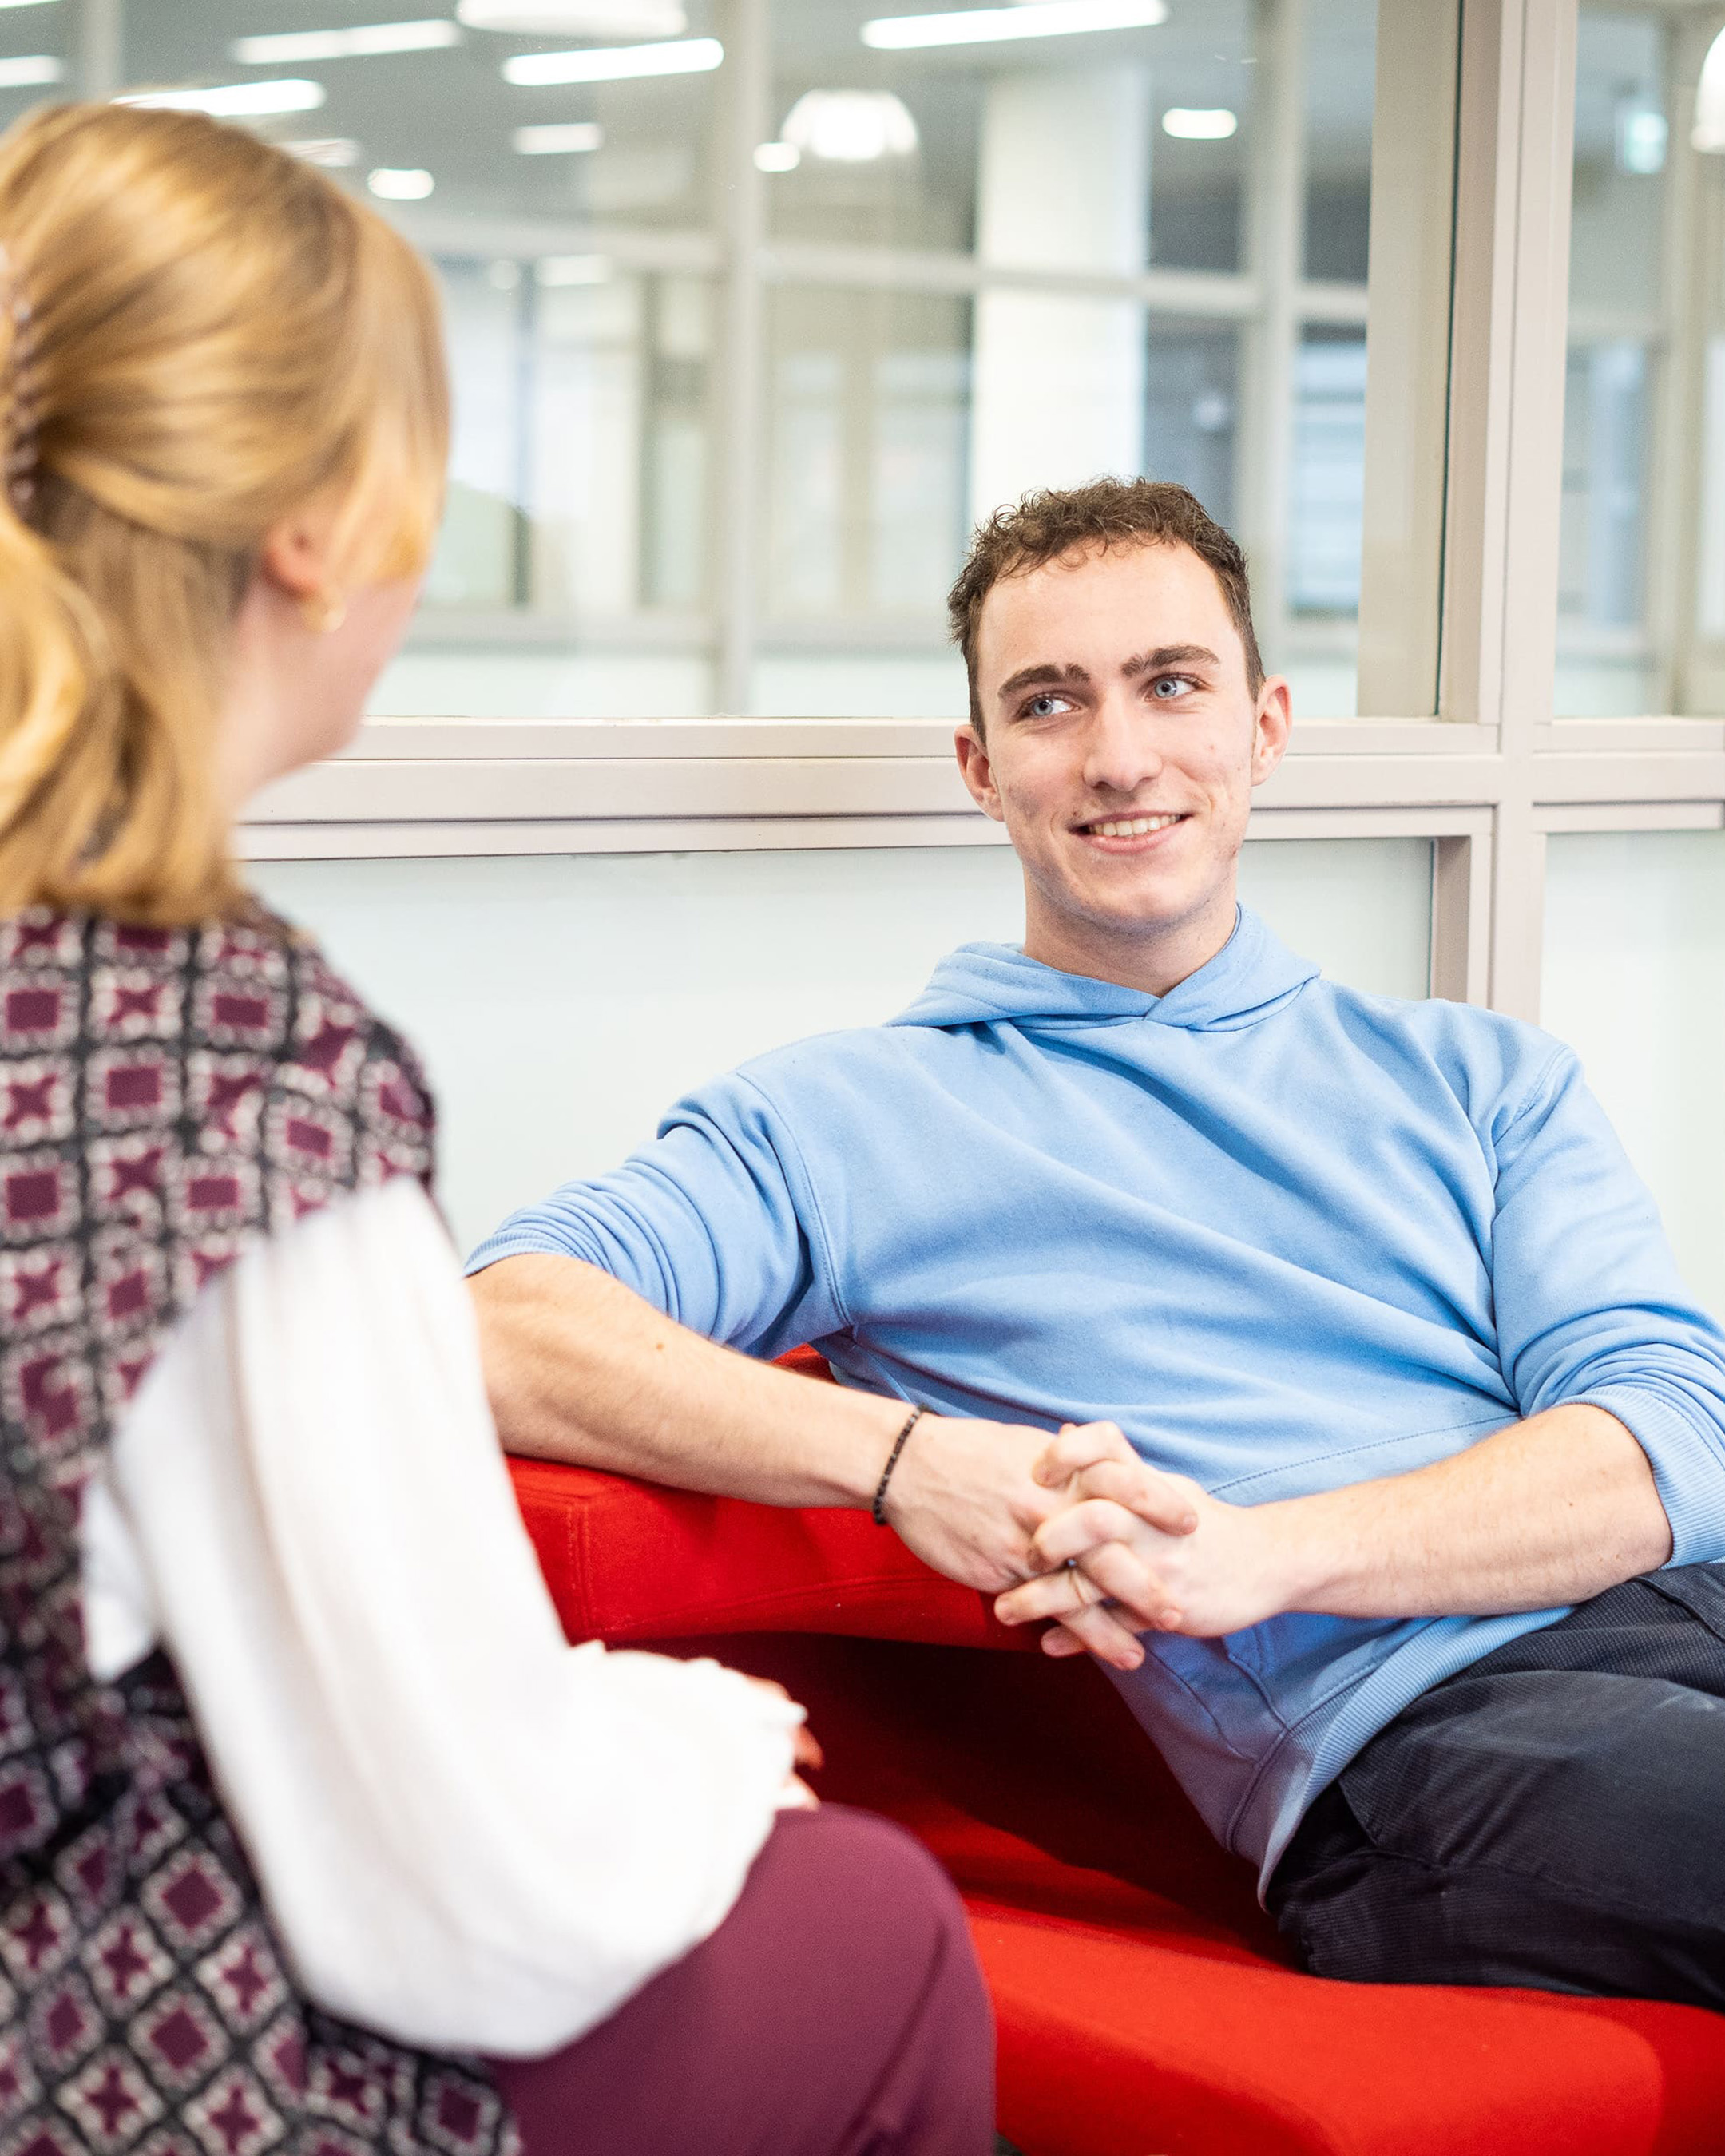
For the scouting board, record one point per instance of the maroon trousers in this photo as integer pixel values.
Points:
(837, 2011)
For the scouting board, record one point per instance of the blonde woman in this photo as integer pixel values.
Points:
(305, 1806)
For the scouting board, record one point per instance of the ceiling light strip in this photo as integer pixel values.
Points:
(1031, 18)
(362, 41)
(31, 72)
(615, 62)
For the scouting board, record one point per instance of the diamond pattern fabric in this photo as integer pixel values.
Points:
(165, 1097)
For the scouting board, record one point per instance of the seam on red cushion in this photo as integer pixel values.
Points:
(704, 1607)
(580, 1571)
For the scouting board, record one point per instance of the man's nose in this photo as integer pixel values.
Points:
(1120, 753)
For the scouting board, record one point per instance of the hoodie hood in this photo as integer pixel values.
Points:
(1252, 977)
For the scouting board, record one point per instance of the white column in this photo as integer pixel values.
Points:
(1058, 384)
(1264, 441)
(101, 47)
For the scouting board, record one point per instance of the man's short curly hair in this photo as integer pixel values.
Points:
(1106, 513)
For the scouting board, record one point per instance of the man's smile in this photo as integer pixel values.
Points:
(1130, 833)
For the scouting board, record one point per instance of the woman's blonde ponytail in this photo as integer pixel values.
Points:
(203, 335)
(48, 636)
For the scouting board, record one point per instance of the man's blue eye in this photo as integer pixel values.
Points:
(1042, 707)
(1169, 685)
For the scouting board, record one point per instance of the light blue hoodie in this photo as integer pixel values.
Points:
(1288, 1236)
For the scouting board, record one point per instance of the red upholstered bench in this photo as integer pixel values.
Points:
(1146, 2005)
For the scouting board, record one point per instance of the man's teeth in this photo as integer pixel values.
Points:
(1134, 828)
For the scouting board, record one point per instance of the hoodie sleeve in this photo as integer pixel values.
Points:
(715, 1223)
(1590, 1305)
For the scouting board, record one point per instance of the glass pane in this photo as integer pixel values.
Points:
(586, 295)
(1341, 64)
(635, 151)
(897, 418)
(38, 58)
(1329, 474)
(1609, 659)
(574, 573)
(1633, 921)
(580, 500)
(870, 404)
(1104, 149)
(1642, 566)
(738, 948)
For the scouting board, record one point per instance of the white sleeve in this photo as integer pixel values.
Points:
(470, 1835)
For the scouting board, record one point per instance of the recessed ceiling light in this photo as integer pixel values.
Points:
(559, 138)
(850, 126)
(1195, 123)
(399, 183)
(572, 269)
(615, 62)
(615, 20)
(1031, 18)
(27, 74)
(336, 152)
(236, 100)
(1643, 134)
(363, 39)
(777, 157)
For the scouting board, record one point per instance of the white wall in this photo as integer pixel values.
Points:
(562, 1003)
(1634, 982)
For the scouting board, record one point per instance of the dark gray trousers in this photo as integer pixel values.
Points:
(1553, 1816)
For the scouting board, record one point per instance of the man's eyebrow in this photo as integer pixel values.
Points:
(1028, 676)
(1169, 654)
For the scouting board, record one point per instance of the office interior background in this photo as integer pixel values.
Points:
(755, 305)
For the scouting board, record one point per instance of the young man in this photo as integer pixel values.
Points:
(1393, 1471)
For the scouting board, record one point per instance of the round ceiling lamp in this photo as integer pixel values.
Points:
(850, 126)
(1709, 129)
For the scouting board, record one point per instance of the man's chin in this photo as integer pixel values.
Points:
(1144, 914)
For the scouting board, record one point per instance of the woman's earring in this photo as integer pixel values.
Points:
(323, 611)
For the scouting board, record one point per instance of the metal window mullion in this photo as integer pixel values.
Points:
(1676, 436)
(1408, 355)
(1263, 453)
(1516, 147)
(102, 46)
(737, 528)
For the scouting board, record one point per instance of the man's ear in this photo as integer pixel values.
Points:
(1270, 729)
(977, 771)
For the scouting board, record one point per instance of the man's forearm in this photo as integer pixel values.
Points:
(1549, 1510)
(581, 1369)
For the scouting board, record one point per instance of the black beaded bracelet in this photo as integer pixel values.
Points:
(912, 1420)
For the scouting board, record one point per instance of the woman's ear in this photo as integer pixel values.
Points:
(294, 556)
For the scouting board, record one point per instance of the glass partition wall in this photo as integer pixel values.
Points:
(1642, 619)
(917, 269)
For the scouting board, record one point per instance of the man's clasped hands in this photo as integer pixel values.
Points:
(1079, 1530)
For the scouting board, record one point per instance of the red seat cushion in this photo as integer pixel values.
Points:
(1145, 2006)
(629, 1560)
